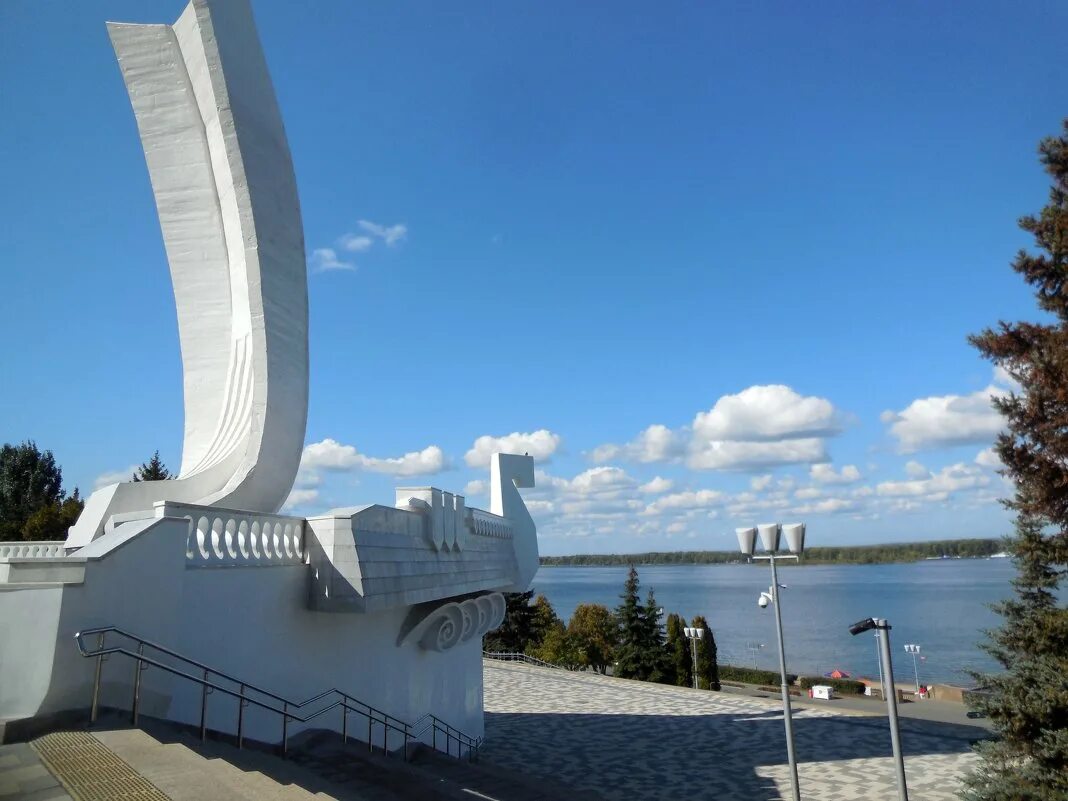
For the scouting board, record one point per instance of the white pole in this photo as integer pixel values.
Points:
(879, 659)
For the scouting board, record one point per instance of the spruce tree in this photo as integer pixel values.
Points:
(679, 650)
(516, 631)
(1028, 702)
(657, 665)
(630, 661)
(30, 480)
(152, 470)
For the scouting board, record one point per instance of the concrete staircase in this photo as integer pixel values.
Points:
(319, 766)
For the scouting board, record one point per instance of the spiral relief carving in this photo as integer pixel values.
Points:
(457, 621)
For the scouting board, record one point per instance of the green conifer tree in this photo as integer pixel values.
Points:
(707, 656)
(152, 470)
(679, 650)
(1028, 702)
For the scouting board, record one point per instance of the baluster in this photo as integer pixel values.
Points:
(138, 667)
(96, 678)
(205, 690)
(285, 727)
(241, 716)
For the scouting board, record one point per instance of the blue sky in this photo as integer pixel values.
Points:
(711, 267)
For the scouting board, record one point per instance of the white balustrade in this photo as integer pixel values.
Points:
(485, 524)
(232, 538)
(31, 550)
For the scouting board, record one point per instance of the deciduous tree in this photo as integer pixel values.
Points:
(594, 630)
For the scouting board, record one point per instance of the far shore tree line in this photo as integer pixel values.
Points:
(34, 506)
(846, 554)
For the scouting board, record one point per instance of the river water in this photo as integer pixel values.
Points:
(941, 605)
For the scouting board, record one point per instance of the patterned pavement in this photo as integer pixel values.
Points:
(636, 741)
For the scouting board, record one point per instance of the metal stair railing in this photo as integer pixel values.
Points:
(246, 694)
(503, 656)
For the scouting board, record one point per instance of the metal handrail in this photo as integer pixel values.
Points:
(347, 702)
(508, 656)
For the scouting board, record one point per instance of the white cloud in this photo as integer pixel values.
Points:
(827, 506)
(767, 413)
(477, 487)
(332, 455)
(808, 493)
(657, 443)
(916, 471)
(325, 260)
(300, 497)
(760, 483)
(355, 243)
(390, 234)
(698, 499)
(988, 458)
(825, 474)
(761, 426)
(945, 420)
(732, 455)
(936, 486)
(115, 477)
(540, 444)
(656, 486)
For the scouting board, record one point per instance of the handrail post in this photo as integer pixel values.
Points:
(385, 736)
(138, 667)
(344, 722)
(405, 742)
(370, 745)
(241, 716)
(204, 690)
(434, 726)
(285, 727)
(96, 679)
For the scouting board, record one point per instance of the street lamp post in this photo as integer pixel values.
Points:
(770, 534)
(694, 634)
(912, 648)
(882, 628)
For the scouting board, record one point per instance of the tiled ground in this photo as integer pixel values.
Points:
(630, 740)
(23, 776)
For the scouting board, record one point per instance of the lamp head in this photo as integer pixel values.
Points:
(746, 540)
(862, 626)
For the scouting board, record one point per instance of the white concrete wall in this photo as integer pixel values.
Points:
(253, 622)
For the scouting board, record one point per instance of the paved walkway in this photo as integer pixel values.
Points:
(631, 740)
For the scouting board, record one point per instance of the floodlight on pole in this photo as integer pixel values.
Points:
(912, 648)
(694, 634)
(770, 537)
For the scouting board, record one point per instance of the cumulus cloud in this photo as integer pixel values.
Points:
(825, 474)
(767, 413)
(762, 426)
(936, 486)
(657, 443)
(540, 444)
(479, 486)
(734, 455)
(329, 454)
(945, 420)
(325, 260)
(760, 483)
(300, 496)
(698, 499)
(656, 486)
(390, 234)
(828, 506)
(115, 477)
(988, 458)
(916, 471)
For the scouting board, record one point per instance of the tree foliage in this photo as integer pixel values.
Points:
(516, 633)
(152, 470)
(641, 653)
(707, 656)
(1028, 702)
(33, 505)
(845, 554)
(594, 630)
(679, 651)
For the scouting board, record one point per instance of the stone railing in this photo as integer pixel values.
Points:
(232, 538)
(31, 550)
(485, 524)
